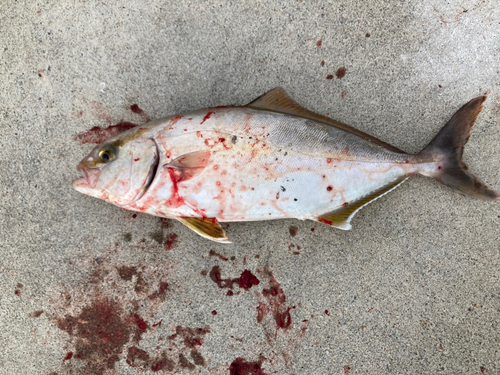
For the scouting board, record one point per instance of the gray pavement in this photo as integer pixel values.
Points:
(412, 289)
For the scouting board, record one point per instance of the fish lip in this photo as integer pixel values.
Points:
(89, 178)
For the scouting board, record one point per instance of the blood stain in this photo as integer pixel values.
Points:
(293, 230)
(68, 356)
(327, 313)
(214, 312)
(346, 370)
(97, 135)
(344, 93)
(126, 273)
(329, 76)
(319, 43)
(213, 253)
(184, 363)
(136, 109)
(322, 63)
(197, 358)
(242, 367)
(191, 337)
(161, 293)
(247, 280)
(276, 299)
(162, 364)
(100, 331)
(341, 72)
(262, 311)
(207, 116)
(36, 314)
(367, 35)
(171, 241)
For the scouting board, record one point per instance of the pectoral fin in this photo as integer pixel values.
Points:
(189, 165)
(277, 100)
(341, 217)
(206, 227)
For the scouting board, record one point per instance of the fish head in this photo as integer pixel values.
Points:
(119, 171)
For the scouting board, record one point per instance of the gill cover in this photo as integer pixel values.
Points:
(137, 171)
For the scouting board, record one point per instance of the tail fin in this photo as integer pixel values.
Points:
(447, 148)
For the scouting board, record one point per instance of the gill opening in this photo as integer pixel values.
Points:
(153, 170)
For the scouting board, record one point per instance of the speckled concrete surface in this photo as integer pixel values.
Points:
(412, 289)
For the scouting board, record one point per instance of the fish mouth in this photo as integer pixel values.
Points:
(89, 179)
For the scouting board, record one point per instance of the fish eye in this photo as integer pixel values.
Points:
(107, 154)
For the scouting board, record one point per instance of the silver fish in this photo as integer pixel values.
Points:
(270, 159)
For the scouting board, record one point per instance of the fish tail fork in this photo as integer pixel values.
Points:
(446, 150)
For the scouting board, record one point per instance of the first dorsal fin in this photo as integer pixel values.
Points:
(206, 227)
(341, 217)
(277, 100)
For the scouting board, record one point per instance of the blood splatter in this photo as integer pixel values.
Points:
(245, 281)
(213, 253)
(293, 230)
(329, 76)
(190, 337)
(68, 356)
(367, 35)
(135, 354)
(313, 229)
(214, 312)
(161, 293)
(136, 109)
(207, 116)
(262, 311)
(197, 358)
(171, 241)
(126, 273)
(97, 135)
(346, 370)
(242, 367)
(277, 301)
(322, 63)
(319, 43)
(36, 314)
(341, 72)
(162, 364)
(100, 331)
(184, 363)
(344, 93)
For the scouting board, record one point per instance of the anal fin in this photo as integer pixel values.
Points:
(206, 227)
(341, 217)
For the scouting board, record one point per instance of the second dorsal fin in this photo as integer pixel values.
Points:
(277, 100)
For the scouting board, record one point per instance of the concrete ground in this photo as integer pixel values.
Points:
(88, 288)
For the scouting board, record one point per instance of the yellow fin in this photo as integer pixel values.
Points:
(207, 227)
(341, 217)
(277, 100)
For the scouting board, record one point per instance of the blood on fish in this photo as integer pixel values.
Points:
(207, 116)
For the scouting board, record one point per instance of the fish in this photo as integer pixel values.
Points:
(270, 159)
